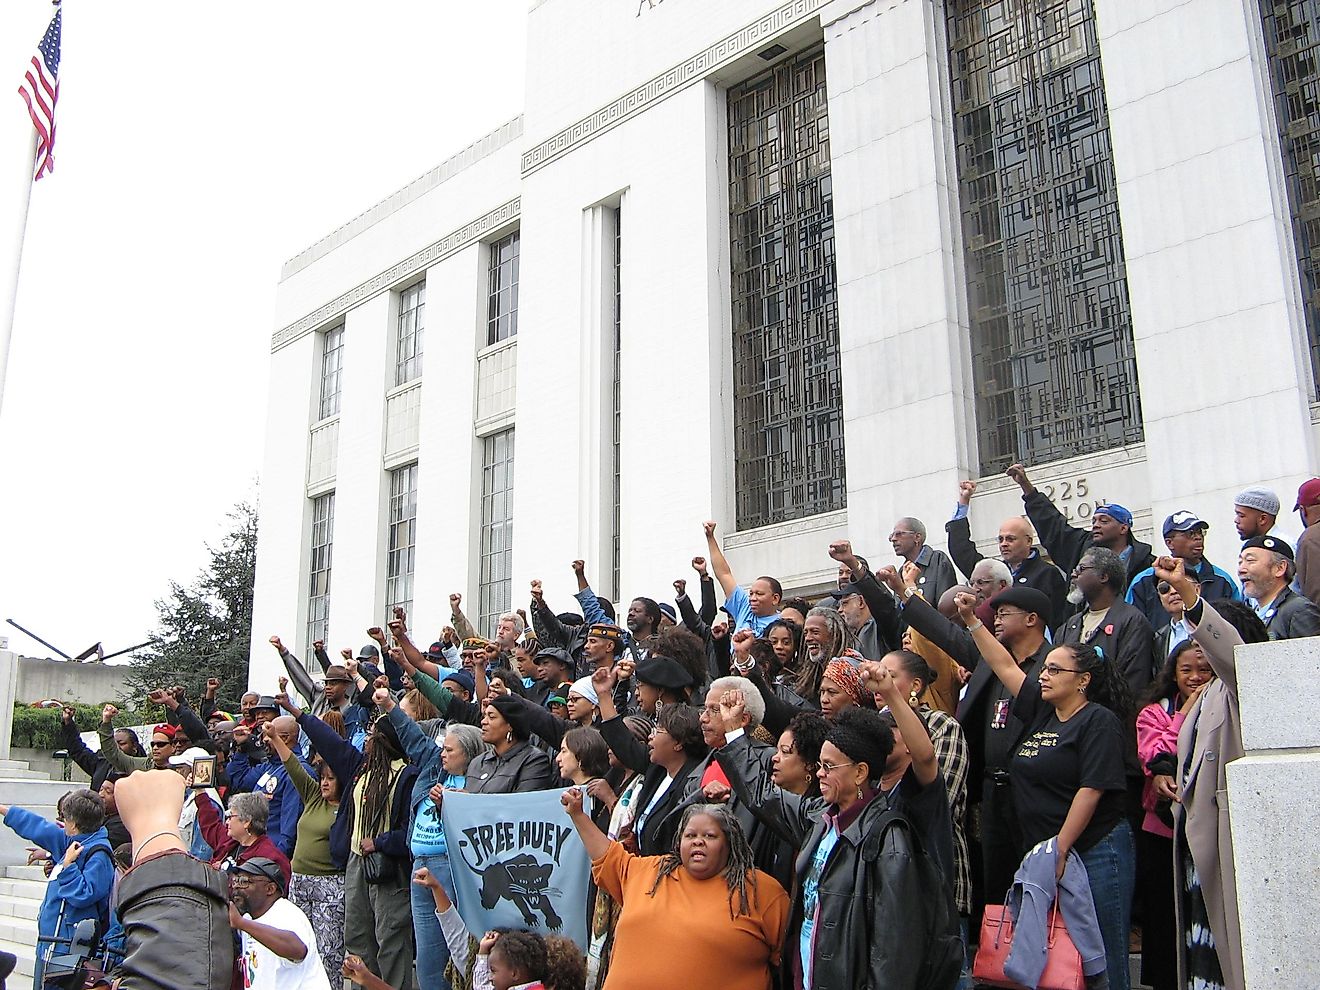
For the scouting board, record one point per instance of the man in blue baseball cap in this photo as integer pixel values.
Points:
(1184, 534)
(1111, 528)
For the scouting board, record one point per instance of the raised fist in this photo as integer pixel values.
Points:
(966, 489)
(275, 642)
(680, 587)
(709, 527)
(841, 550)
(699, 565)
(537, 592)
(1019, 474)
(108, 713)
(455, 600)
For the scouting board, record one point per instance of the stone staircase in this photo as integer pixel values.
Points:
(21, 891)
(23, 887)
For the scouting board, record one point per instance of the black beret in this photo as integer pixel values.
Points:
(1027, 599)
(1270, 543)
(663, 673)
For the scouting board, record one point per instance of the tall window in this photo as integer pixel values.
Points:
(412, 322)
(617, 419)
(332, 364)
(496, 585)
(1292, 42)
(318, 592)
(403, 538)
(502, 294)
(787, 397)
(1051, 332)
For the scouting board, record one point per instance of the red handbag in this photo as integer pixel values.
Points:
(1063, 963)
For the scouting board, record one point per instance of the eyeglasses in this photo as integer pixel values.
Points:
(160, 745)
(240, 882)
(1164, 587)
(1053, 669)
(711, 710)
(901, 532)
(1083, 567)
(1003, 613)
(831, 767)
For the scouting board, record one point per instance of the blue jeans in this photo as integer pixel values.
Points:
(432, 952)
(1111, 867)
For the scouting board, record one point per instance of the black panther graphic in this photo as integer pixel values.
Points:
(523, 881)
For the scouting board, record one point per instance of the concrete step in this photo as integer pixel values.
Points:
(24, 907)
(27, 961)
(20, 872)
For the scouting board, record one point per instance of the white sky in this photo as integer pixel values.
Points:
(200, 145)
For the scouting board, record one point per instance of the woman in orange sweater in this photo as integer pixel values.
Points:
(702, 908)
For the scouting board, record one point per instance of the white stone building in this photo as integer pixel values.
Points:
(800, 266)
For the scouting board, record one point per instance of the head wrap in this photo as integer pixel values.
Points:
(584, 687)
(606, 630)
(845, 674)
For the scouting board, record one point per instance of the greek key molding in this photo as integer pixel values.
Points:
(392, 276)
(668, 83)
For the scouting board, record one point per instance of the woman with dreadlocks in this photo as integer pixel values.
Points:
(703, 908)
(370, 835)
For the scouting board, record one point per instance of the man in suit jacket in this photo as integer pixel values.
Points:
(1120, 630)
(1210, 739)
(909, 542)
(1016, 549)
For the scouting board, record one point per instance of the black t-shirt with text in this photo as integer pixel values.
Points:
(1059, 758)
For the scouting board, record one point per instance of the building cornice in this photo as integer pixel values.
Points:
(666, 84)
(477, 151)
(399, 273)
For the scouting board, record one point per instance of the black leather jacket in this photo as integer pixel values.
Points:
(175, 914)
(523, 767)
(870, 922)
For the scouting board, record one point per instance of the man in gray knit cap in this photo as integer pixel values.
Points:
(1254, 512)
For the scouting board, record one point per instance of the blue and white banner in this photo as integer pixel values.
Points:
(517, 863)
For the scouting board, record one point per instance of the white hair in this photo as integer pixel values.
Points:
(996, 570)
(753, 703)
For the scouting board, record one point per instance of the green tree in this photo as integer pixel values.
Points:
(205, 628)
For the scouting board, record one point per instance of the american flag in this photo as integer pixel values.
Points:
(40, 89)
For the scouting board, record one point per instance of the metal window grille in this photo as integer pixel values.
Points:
(1051, 330)
(412, 323)
(617, 427)
(502, 298)
(496, 582)
(1292, 46)
(788, 406)
(332, 364)
(403, 538)
(318, 590)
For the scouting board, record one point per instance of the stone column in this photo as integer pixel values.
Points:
(902, 306)
(1271, 803)
(1212, 272)
(8, 695)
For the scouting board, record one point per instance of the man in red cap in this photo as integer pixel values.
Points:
(1308, 547)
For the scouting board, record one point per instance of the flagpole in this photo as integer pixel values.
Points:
(13, 263)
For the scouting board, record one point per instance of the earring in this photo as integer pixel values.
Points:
(912, 696)
(508, 736)
(859, 794)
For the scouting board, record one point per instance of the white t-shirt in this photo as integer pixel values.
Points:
(264, 970)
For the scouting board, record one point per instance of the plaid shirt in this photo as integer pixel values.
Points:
(946, 736)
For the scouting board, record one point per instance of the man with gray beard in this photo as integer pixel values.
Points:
(1117, 629)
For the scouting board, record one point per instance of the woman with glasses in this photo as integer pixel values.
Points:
(242, 834)
(1068, 774)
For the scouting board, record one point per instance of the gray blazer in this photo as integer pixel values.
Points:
(1217, 725)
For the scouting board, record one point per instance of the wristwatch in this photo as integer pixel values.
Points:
(909, 591)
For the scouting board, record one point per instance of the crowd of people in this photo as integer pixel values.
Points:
(772, 792)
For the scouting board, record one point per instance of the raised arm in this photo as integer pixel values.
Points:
(411, 657)
(876, 678)
(302, 680)
(597, 843)
(718, 562)
(708, 608)
(73, 745)
(878, 600)
(458, 620)
(110, 752)
(959, 530)
(1216, 636)
(991, 650)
